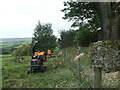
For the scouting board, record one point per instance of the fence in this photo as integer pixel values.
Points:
(89, 76)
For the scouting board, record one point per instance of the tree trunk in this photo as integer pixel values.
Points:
(105, 14)
(115, 28)
(119, 27)
(97, 77)
(110, 23)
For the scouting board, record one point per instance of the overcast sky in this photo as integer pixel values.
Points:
(18, 18)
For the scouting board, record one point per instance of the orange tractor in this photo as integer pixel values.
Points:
(36, 62)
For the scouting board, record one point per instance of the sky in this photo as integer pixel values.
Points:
(18, 18)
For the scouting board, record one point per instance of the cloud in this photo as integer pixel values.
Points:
(22, 15)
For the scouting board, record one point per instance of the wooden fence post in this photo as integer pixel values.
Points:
(97, 77)
(119, 78)
(79, 70)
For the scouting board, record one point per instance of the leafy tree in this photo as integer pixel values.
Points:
(105, 16)
(80, 12)
(84, 36)
(66, 38)
(44, 34)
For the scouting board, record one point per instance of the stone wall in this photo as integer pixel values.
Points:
(106, 54)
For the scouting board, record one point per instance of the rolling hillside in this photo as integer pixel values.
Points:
(13, 42)
(9, 44)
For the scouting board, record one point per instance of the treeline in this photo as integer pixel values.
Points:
(44, 34)
(95, 20)
(92, 20)
(82, 37)
(7, 50)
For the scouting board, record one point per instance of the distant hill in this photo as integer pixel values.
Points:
(7, 43)
(8, 40)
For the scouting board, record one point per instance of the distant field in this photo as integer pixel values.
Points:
(13, 42)
(6, 40)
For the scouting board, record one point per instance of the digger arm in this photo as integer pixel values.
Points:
(34, 45)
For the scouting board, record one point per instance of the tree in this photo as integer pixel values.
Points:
(98, 15)
(80, 12)
(110, 16)
(84, 36)
(44, 34)
(66, 38)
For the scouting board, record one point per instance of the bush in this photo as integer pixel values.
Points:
(66, 38)
(7, 50)
(84, 37)
(24, 50)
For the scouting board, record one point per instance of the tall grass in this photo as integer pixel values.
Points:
(82, 68)
(62, 72)
(84, 72)
(57, 75)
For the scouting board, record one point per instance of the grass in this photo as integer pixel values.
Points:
(0, 73)
(62, 72)
(57, 75)
(13, 44)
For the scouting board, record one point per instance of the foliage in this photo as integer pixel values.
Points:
(67, 38)
(24, 50)
(84, 36)
(8, 50)
(86, 16)
(44, 34)
(92, 13)
(80, 12)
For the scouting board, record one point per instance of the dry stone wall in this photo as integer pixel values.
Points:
(106, 54)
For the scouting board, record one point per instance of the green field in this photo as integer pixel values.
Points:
(70, 74)
(57, 75)
(8, 45)
(13, 42)
(14, 74)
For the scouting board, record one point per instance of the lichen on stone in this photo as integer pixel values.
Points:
(106, 54)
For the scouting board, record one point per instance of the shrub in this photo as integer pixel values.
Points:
(67, 38)
(24, 50)
(84, 37)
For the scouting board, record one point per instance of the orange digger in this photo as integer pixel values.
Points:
(36, 62)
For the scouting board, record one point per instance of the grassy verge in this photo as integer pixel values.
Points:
(62, 72)
(57, 75)
(0, 73)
